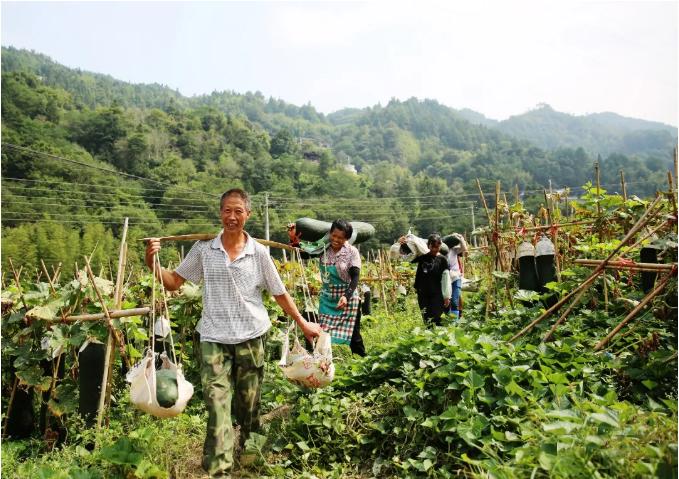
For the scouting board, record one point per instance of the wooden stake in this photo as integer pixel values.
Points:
(384, 292)
(483, 200)
(118, 298)
(598, 189)
(57, 273)
(603, 277)
(18, 283)
(627, 265)
(671, 194)
(622, 183)
(49, 279)
(570, 308)
(107, 357)
(647, 299)
(9, 405)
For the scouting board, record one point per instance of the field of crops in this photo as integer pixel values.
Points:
(503, 392)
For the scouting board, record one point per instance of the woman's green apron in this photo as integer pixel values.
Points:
(338, 322)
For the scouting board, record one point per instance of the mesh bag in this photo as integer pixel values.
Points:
(313, 370)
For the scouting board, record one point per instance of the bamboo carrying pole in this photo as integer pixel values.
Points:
(209, 236)
(638, 225)
(647, 299)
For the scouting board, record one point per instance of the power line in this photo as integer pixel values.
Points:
(132, 222)
(150, 207)
(80, 163)
(76, 215)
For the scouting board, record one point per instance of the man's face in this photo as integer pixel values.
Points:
(234, 213)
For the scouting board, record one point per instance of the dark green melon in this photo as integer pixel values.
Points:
(314, 230)
(166, 387)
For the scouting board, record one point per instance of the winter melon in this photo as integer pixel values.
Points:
(314, 230)
(166, 387)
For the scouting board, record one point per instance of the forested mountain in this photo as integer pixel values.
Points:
(598, 133)
(82, 150)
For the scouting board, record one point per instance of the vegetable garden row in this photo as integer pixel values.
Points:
(572, 377)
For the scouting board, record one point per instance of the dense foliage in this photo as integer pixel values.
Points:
(161, 159)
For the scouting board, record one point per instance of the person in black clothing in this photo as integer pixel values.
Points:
(430, 284)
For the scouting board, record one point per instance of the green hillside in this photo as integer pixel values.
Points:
(84, 150)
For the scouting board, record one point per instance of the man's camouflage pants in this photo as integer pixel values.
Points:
(230, 371)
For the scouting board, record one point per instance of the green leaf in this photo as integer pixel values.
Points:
(560, 427)
(122, 452)
(649, 384)
(603, 418)
(568, 414)
(473, 379)
(302, 445)
(32, 376)
(148, 470)
(513, 388)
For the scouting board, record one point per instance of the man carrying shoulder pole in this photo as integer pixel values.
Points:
(234, 269)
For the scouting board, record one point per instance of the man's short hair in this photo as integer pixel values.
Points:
(433, 239)
(242, 194)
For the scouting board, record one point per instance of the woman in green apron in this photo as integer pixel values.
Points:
(338, 311)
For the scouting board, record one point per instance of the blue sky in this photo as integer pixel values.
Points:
(499, 58)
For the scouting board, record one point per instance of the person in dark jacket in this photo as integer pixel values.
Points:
(432, 282)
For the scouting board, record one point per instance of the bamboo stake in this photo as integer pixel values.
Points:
(496, 229)
(647, 299)
(671, 193)
(639, 224)
(598, 189)
(562, 318)
(57, 273)
(49, 279)
(118, 298)
(627, 265)
(548, 207)
(624, 187)
(9, 405)
(603, 277)
(384, 292)
(18, 283)
(104, 381)
(483, 200)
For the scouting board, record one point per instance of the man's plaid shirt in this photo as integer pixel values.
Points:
(233, 310)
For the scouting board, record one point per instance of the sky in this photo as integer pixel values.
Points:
(499, 58)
